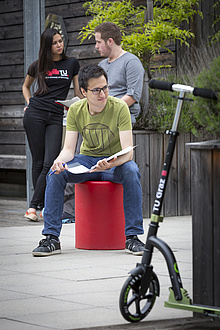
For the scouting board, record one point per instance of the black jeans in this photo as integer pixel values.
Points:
(44, 133)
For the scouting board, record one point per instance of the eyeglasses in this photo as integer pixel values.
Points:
(97, 91)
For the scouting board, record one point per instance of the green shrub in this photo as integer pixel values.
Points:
(200, 117)
(207, 112)
(162, 106)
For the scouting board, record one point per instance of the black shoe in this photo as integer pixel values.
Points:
(134, 246)
(47, 247)
(67, 218)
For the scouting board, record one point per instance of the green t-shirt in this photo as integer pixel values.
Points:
(101, 132)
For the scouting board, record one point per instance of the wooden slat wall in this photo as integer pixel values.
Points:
(216, 225)
(202, 247)
(149, 155)
(12, 139)
(74, 19)
(206, 225)
(184, 175)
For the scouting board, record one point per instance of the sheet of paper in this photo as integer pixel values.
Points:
(79, 169)
(120, 153)
(68, 103)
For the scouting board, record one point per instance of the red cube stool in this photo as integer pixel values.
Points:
(99, 216)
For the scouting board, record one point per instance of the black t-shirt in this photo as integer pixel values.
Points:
(58, 81)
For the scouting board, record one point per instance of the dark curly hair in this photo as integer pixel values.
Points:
(88, 72)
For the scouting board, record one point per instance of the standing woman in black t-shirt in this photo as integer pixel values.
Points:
(43, 118)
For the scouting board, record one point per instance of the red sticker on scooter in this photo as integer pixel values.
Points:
(164, 173)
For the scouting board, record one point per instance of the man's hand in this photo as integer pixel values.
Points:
(103, 165)
(59, 166)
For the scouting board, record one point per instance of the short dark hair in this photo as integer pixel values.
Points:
(109, 30)
(88, 72)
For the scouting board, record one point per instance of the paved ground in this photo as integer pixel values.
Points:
(79, 289)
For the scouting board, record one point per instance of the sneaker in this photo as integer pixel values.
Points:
(67, 218)
(134, 246)
(31, 216)
(47, 247)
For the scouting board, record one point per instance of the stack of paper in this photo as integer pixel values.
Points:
(78, 169)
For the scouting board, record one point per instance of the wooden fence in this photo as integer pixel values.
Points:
(149, 155)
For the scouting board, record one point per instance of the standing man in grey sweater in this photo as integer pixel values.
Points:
(125, 71)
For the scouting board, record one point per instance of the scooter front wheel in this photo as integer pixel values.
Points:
(133, 306)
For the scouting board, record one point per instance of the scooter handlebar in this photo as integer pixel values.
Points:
(170, 86)
(203, 92)
(164, 85)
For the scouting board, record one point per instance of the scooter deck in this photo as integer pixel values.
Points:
(194, 308)
(186, 304)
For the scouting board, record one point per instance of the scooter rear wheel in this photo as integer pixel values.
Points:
(133, 306)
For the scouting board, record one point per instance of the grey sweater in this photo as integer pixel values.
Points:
(125, 76)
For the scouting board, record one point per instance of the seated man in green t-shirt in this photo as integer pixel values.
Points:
(105, 125)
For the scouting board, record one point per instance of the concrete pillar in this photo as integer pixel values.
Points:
(34, 25)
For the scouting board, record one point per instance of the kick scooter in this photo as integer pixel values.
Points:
(141, 289)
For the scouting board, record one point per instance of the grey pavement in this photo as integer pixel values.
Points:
(79, 289)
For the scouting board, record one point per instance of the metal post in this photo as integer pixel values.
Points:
(150, 10)
(34, 24)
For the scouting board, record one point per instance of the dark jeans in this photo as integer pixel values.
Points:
(44, 133)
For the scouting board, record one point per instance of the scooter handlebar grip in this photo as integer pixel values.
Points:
(203, 92)
(164, 85)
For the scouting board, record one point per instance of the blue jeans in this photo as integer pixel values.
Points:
(127, 174)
